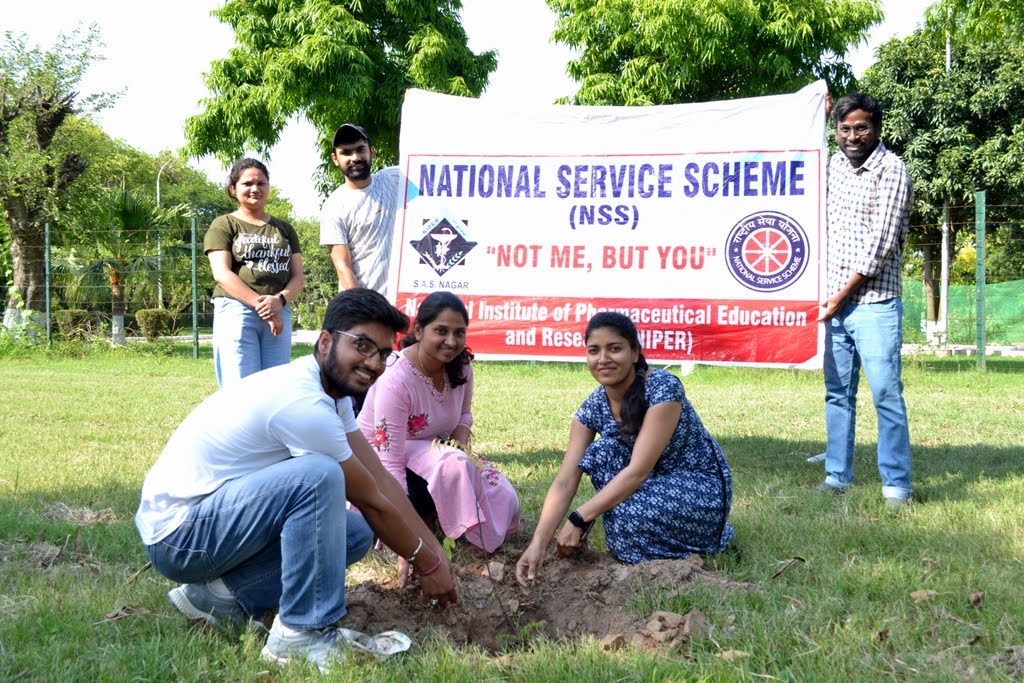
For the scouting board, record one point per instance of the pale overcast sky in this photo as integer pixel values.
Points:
(157, 54)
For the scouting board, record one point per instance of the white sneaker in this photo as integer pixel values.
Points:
(198, 603)
(820, 457)
(323, 647)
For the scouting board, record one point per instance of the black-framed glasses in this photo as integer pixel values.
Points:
(859, 130)
(368, 349)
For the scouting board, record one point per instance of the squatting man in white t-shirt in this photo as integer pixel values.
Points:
(246, 504)
(357, 220)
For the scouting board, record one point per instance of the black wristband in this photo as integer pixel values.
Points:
(284, 301)
(576, 519)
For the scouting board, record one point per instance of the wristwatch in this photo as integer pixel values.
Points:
(284, 301)
(577, 521)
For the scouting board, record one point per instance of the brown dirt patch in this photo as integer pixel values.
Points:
(587, 595)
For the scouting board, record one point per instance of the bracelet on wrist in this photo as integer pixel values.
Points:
(412, 558)
(284, 300)
(433, 569)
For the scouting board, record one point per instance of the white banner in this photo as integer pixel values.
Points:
(703, 222)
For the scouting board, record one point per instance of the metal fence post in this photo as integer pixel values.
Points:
(48, 282)
(195, 297)
(979, 273)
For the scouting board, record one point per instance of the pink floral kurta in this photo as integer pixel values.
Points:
(402, 417)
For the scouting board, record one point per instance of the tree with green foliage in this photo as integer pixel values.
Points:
(120, 242)
(114, 166)
(976, 19)
(182, 184)
(321, 278)
(959, 131)
(38, 98)
(643, 52)
(330, 61)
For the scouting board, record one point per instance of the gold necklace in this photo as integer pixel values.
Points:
(423, 369)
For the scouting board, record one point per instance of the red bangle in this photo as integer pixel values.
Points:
(432, 569)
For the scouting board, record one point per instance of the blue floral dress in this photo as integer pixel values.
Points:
(683, 505)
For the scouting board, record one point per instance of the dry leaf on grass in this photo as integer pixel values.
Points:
(733, 655)
(789, 565)
(976, 599)
(796, 602)
(923, 595)
(134, 577)
(884, 635)
(79, 544)
(123, 612)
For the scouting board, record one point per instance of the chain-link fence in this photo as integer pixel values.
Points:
(986, 245)
(87, 286)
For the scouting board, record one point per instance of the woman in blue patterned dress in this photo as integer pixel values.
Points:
(661, 482)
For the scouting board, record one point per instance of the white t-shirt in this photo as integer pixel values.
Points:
(265, 418)
(365, 221)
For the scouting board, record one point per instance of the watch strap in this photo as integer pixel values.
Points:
(284, 301)
(576, 519)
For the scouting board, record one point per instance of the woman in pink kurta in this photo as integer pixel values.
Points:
(418, 417)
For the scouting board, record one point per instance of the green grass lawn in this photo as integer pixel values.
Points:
(927, 593)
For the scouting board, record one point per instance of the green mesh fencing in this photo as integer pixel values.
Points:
(1004, 313)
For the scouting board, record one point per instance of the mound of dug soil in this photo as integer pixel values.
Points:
(584, 595)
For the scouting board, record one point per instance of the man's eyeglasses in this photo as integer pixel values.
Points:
(858, 130)
(368, 349)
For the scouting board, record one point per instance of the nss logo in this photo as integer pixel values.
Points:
(767, 251)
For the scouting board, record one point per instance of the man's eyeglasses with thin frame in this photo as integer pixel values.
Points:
(368, 349)
(859, 130)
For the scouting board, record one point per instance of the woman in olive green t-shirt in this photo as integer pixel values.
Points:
(257, 265)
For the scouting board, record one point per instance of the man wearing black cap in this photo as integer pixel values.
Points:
(358, 218)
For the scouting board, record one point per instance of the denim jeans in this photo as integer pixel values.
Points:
(277, 537)
(868, 335)
(242, 342)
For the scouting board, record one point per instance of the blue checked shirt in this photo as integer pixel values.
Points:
(868, 212)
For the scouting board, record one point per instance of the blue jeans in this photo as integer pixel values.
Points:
(242, 342)
(868, 335)
(277, 537)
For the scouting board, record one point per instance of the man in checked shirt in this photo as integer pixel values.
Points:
(868, 211)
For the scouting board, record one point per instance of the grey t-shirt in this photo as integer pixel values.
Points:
(365, 221)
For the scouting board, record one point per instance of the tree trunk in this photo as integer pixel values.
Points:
(28, 251)
(931, 278)
(117, 307)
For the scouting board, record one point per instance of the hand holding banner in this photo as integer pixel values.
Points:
(702, 222)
